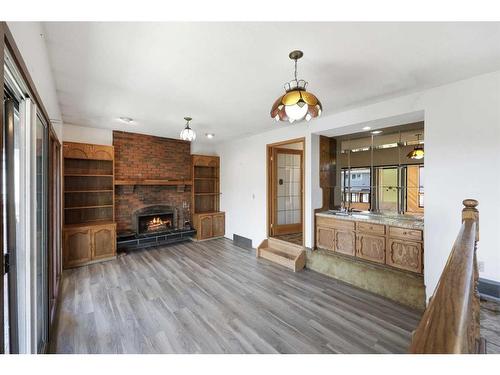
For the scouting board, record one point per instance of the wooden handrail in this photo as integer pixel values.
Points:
(450, 323)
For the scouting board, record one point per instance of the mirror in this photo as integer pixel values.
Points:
(377, 171)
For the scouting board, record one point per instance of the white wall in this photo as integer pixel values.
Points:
(85, 134)
(462, 160)
(34, 52)
(462, 124)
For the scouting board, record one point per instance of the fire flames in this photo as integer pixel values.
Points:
(158, 224)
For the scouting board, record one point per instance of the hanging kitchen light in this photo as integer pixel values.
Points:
(418, 152)
(296, 104)
(188, 134)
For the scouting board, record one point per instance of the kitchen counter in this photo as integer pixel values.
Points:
(382, 253)
(396, 220)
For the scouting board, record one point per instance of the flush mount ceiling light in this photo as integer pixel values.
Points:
(375, 132)
(296, 104)
(366, 128)
(126, 120)
(418, 152)
(188, 134)
(209, 135)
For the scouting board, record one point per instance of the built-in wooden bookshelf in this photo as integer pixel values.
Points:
(89, 228)
(207, 219)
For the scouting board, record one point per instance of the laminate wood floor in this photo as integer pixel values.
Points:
(214, 297)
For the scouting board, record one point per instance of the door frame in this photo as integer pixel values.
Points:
(8, 44)
(269, 183)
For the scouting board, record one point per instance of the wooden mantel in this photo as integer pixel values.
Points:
(153, 182)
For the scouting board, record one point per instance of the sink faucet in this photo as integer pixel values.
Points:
(344, 209)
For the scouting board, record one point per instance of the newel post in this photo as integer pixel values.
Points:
(470, 212)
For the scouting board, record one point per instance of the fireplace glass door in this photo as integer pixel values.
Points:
(155, 223)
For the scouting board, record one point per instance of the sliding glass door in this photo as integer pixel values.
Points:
(14, 228)
(41, 256)
(25, 302)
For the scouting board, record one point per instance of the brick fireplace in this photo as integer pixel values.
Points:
(140, 158)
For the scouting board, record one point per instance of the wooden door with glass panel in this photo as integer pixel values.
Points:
(287, 204)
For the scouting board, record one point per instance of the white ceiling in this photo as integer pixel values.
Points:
(227, 75)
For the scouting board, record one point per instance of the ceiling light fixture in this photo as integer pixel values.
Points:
(418, 152)
(366, 128)
(209, 135)
(296, 104)
(375, 132)
(188, 134)
(126, 120)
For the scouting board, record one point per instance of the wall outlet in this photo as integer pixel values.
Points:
(480, 266)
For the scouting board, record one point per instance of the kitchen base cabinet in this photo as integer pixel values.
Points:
(325, 238)
(88, 244)
(405, 255)
(345, 242)
(218, 225)
(370, 248)
(77, 247)
(397, 247)
(209, 225)
(103, 242)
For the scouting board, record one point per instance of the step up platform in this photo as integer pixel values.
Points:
(283, 253)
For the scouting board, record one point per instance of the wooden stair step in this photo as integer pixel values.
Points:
(284, 246)
(278, 259)
(280, 252)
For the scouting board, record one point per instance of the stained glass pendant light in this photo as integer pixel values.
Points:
(297, 103)
(188, 134)
(418, 152)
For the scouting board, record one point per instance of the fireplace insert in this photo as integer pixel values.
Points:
(155, 219)
(153, 223)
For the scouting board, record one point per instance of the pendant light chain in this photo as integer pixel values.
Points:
(295, 69)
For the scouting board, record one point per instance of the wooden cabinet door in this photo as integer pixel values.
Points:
(205, 161)
(325, 238)
(205, 227)
(77, 247)
(73, 150)
(370, 247)
(405, 255)
(345, 242)
(100, 152)
(218, 225)
(103, 242)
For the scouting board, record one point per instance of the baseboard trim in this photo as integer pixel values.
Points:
(243, 242)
